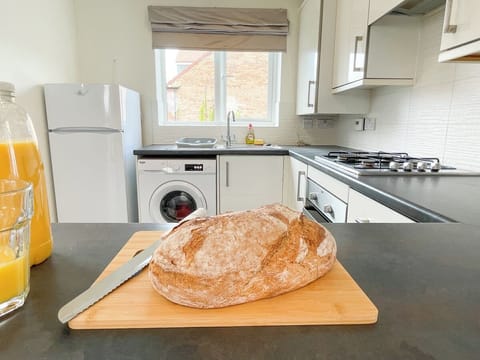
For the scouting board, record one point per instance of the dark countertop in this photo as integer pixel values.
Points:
(422, 277)
(421, 198)
(236, 149)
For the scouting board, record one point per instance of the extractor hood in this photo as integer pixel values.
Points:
(417, 7)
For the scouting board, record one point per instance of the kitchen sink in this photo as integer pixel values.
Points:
(187, 142)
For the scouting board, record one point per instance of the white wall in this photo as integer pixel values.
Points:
(114, 45)
(439, 116)
(37, 46)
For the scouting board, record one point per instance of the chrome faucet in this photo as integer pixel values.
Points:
(230, 116)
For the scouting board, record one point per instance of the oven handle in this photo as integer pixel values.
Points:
(299, 175)
(318, 217)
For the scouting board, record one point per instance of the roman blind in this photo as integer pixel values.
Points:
(214, 28)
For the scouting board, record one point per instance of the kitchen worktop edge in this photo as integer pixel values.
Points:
(421, 277)
(391, 191)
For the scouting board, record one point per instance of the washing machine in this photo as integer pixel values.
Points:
(170, 189)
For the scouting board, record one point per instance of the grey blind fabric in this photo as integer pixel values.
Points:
(214, 28)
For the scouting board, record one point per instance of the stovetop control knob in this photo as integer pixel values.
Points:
(435, 166)
(327, 209)
(407, 166)
(394, 165)
(421, 166)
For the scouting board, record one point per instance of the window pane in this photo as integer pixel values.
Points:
(190, 85)
(247, 75)
(202, 86)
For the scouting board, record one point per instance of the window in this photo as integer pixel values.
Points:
(199, 87)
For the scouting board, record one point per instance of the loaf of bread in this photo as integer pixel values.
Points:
(239, 257)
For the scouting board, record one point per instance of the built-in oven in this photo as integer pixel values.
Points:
(322, 206)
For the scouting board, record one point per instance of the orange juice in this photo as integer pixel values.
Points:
(22, 160)
(13, 274)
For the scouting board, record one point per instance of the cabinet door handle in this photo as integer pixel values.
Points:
(227, 174)
(362, 221)
(357, 40)
(310, 83)
(299, 175)
(449, 28)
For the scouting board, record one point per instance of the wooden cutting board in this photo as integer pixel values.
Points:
(333, 299)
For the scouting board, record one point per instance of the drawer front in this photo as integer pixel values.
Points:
(336, 187)
(362, 209)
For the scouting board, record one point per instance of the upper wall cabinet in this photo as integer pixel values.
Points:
(366, 56)
(350, 41)
(461, 31)
(316, 44)
(308, 43)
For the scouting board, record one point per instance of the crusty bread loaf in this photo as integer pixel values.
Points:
(239, 257)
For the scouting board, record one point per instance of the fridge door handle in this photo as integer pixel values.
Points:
(96, 130)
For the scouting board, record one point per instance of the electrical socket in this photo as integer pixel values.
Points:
(307, 123)
(324, 123)
(359, 124)
(369, 124)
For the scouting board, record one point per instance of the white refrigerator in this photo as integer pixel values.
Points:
(93, 130)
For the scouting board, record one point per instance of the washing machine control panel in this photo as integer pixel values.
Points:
(178, 166)
(193, 167)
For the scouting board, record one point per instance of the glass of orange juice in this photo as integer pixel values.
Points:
(16, 209)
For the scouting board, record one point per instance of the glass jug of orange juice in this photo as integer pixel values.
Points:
(20, 159)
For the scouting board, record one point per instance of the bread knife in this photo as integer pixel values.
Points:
(109, 283)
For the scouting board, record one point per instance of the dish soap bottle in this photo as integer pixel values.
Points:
(250, 138)
(20, 158)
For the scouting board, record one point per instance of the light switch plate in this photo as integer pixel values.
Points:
(369, 124)
(358, 124)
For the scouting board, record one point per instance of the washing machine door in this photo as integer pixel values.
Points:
(174, 200)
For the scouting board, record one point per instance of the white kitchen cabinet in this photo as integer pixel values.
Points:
(351, 41)
(329, 183)
(294, 183)
(377, 55)
(461, 31)
(308, 33)
(316, 43)
(362, 209)
(379, 8)
(248, 181)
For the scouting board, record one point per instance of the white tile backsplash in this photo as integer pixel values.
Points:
(438, 116)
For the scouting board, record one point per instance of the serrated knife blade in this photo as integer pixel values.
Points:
(109, 283)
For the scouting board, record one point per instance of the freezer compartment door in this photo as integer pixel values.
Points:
(89, 176)
(85, 106)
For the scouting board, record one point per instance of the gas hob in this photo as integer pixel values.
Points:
(360, 163)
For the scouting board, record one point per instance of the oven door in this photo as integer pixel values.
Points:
(313, 214)
(323, 206)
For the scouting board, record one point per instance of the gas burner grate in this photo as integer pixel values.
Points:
(358, 163)
(379, 160)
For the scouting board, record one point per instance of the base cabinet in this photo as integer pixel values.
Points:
(294, 183)
(248, 181)
(362, 209)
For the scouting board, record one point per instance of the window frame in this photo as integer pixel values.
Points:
(273, 95)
